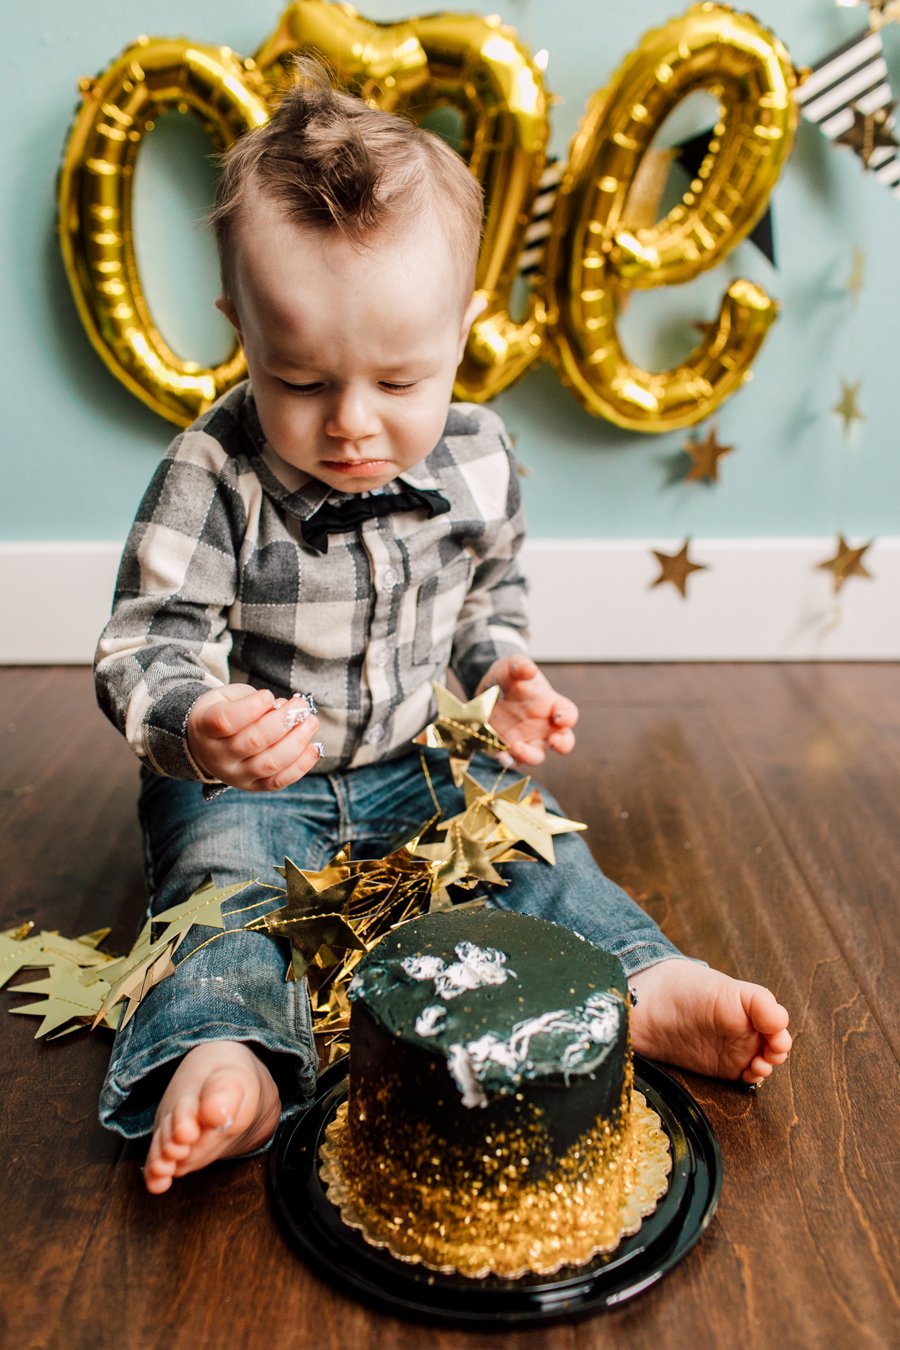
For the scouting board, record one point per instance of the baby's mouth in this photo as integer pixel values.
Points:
(356, 468)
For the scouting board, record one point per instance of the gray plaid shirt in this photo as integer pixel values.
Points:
(216, 585)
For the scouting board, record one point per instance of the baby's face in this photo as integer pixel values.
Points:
(352, 351)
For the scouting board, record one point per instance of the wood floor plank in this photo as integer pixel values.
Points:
(688, 809)
(70, 861)
(675, 816)
(833, 785)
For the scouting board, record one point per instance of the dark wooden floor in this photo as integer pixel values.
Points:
(752, 809)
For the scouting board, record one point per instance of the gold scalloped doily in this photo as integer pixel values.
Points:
(598, 1194)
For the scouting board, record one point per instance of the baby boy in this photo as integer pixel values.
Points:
(336, 524)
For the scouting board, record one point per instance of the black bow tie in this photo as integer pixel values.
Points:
(331, 519)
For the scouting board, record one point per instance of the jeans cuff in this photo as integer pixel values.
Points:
(636, 954)
(133, 1089)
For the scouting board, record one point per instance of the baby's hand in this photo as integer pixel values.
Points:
(529, 714)
(248, 739)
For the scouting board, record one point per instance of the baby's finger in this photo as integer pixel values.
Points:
(275, 756)
(563, 742)
(528, 752)
(564, 713)
(236, 710)
(522, 668)
(272, 727)
(293, 771)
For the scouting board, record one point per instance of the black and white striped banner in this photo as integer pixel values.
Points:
(539, 229)
(855, 75)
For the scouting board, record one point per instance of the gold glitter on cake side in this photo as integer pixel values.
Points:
(513, 1211)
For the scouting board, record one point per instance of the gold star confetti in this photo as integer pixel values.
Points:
(676, 568)
(530, 821)
(311, 919)
(18, 952)
(462, 729)
(203, 907)
(847, 562)
(869, 132)
(705, 455)
(856, 281)
(847, 406)
(65, 998)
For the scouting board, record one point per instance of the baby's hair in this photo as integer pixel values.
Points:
(333, 163)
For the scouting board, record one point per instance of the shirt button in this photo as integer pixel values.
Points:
(389, 576)
(374, 735)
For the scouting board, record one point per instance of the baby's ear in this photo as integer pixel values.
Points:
(226, 307)
(477, 305)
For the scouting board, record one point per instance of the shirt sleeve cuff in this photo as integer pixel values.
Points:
(166, 734)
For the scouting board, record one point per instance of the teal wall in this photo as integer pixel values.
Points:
(78, 449)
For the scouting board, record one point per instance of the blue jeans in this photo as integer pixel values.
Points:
(235, 987)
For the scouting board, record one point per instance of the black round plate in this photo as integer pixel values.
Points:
(342, 1255)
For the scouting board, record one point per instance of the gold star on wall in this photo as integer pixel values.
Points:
(856, 281)
(881, 12)
(705, 455)
(676, 568)
(869, 132)
(847, 406)
(847, 562)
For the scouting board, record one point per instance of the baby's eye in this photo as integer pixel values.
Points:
(313, 387)
(394, 388)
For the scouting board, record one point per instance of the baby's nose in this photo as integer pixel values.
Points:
(351, 416)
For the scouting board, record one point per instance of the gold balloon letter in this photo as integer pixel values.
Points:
(593, 257)
(95, 184)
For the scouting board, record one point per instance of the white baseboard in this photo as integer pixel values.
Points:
(759, 600)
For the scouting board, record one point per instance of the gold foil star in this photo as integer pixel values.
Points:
(479, 819)
(462, 729)
(869, 132)
(18, 952)
(311, 919)
(676, 568)
(464, 859)
(705, 455)
(847, 562)
(203, 907)
(847, 407)
(65, 998)
(531, 822)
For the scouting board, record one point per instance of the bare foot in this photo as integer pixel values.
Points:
(701, 1019)
(221, 1102)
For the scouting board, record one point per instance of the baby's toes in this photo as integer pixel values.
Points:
(220, 1102)
(158, 1172)
(779, 1044)
(186, 1126)
(756, 1070)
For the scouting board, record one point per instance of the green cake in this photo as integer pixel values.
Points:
(490, 1125)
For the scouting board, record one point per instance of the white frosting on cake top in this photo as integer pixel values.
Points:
(476, 967)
